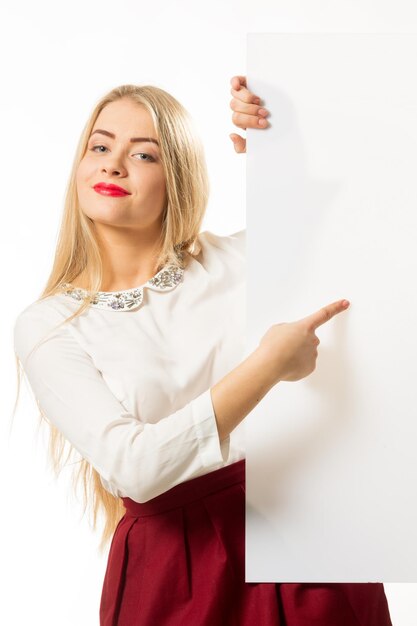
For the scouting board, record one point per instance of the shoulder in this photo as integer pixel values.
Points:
(41, 312)
(35, 322)
(234, 243)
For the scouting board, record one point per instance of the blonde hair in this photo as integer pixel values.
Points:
(77, 250)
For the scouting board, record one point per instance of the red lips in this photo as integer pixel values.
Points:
(110, 190)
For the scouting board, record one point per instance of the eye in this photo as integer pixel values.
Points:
(149, 157)
(93, 149)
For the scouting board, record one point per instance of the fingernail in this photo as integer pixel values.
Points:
(345, 302)
(256, 100)
(262, 122)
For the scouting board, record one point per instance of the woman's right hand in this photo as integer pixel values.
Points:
(289, 349)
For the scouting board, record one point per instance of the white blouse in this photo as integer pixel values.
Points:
(128, 382)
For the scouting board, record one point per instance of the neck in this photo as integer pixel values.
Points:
(128, 257)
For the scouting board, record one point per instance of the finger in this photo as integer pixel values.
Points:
(238, 142)
(244, 121)
(325, 314)
(249, 109)
(238, 81)
(245, 95)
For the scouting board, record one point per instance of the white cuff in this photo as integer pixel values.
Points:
(212, 452)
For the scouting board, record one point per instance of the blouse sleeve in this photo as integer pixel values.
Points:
(139, 460)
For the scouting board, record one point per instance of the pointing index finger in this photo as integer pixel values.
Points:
(325, 314)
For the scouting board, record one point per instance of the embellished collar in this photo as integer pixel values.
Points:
(127, 299)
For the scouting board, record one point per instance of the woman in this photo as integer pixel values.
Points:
(135, 355)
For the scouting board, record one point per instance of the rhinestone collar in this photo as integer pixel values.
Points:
(127, 299)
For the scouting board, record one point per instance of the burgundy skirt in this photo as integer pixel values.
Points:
(179, 560)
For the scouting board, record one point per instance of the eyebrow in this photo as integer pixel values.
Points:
(133, 139)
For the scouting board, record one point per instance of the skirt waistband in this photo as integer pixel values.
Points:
(188, 491)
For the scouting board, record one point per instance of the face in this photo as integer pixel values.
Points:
(116, 160)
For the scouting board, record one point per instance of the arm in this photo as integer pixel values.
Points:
(235, 395)
(139, 460)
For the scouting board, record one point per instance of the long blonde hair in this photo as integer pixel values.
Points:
(77, 250)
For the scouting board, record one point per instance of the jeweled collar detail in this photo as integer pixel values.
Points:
(166, 279)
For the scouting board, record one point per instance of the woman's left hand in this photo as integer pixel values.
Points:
(248, 112)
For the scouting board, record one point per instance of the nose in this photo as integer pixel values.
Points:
(113, 165)
(112, 171)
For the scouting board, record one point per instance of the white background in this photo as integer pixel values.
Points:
(57, 60)
(336, 214)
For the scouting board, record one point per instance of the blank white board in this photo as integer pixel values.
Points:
(331, 460)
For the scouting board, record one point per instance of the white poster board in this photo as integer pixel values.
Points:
(332, 213)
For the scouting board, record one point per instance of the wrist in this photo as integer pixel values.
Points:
(264, 368)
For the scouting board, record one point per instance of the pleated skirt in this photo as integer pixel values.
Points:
(179, 560)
